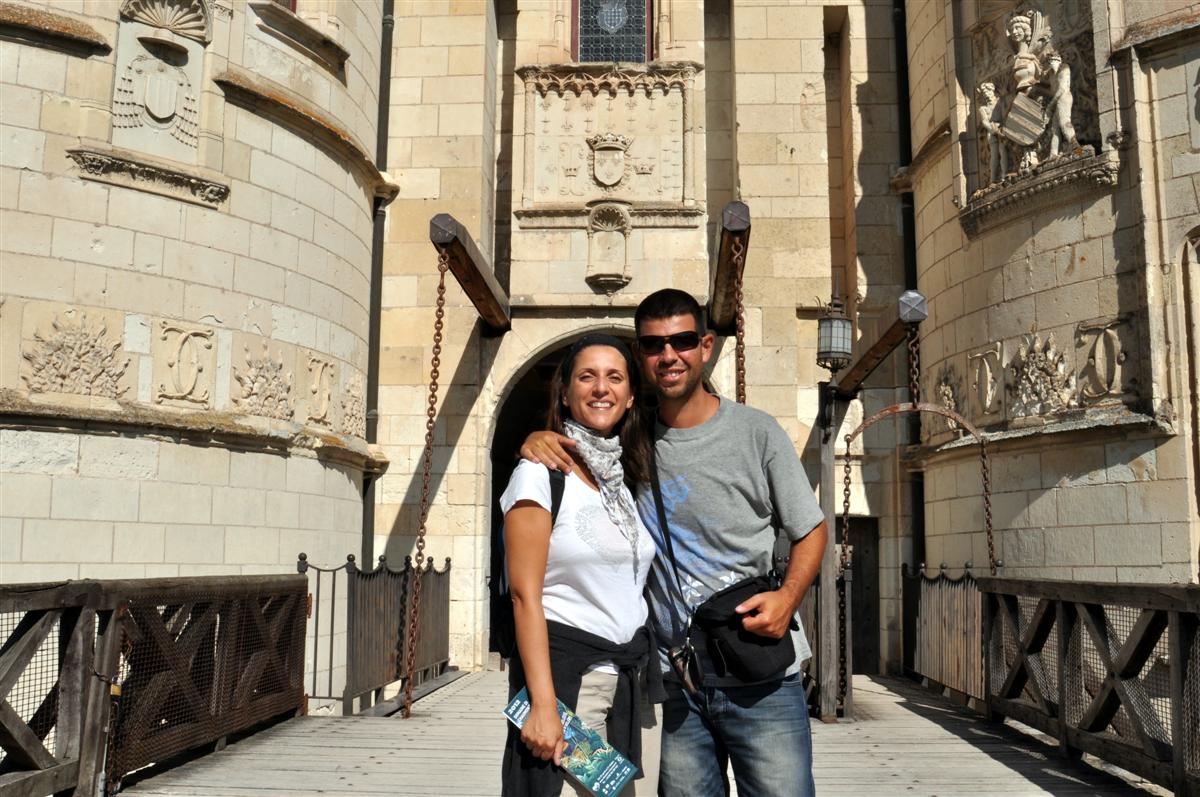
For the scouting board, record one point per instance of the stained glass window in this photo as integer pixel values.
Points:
(612, 30)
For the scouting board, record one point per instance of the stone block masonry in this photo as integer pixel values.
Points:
(129, 506)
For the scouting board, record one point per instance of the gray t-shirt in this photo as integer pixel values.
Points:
(729, 486)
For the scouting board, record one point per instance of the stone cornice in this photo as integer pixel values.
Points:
(40, 23)
(17, 410)
(561, 78)
(272, 98)
(1057, 181)
(102, 163)
(1099, 423)
(575, 217)
(1150, 37)
(300, 35)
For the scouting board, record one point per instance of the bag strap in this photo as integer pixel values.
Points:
(558, 481)
(661, 509)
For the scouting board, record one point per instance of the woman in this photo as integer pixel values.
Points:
(577, 587)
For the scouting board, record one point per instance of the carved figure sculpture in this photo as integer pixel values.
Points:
(1062, 131)
(988, 110)
(1024, 60)
(1028, 33)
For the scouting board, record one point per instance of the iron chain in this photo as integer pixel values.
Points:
(426, 476)
(985, 466)
(739, 256)
(914, 364)
(843, 565)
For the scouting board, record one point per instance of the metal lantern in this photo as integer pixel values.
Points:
(835, 337)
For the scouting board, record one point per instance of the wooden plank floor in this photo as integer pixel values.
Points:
(905, 742)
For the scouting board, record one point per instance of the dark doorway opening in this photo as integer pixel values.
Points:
(524, 411)
(864, 597)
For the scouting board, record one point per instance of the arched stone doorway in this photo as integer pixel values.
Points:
(522, 411)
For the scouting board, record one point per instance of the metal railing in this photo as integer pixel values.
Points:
(99, 678)
(948, 630)
(1107, 669)
(373, 618)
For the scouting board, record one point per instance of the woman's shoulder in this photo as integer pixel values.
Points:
(529, 481)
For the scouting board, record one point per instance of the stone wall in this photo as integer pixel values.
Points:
(1047, 322)
(185, 227)
(602, 194)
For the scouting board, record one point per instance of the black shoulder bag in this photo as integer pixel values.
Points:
(504, 626)
(717, 628)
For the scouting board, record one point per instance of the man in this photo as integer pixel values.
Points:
(731, 481)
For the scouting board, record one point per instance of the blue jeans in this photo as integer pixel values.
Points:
(762, 730)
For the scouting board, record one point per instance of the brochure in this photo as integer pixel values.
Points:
(588, 758)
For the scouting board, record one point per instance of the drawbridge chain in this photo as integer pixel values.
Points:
(426, 477)
(738, 250)
(915, 405)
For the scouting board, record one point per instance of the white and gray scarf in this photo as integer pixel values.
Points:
(602, 455)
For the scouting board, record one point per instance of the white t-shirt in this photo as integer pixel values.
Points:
(590, 582)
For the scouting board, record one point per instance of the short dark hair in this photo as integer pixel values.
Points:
(667, 303)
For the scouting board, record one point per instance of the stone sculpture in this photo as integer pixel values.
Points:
(1061, 103)
(988, 113)
(1024, 104)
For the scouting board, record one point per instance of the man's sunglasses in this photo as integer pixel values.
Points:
(680, 341)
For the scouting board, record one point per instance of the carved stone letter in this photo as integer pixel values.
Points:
(181, 350)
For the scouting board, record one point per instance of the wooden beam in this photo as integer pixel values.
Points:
(1169, 597)
(849, 384)
(22, 746)
(36, 783)
(21, 646)
(722, 305)
(473, 272)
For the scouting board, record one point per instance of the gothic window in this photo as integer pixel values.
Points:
(612, 30)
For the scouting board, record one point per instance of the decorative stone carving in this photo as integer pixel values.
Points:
(607, 159)
(266, 389)
(1035, 103)
(1061, 180)
(354, 408)
(158, 95)
(109, 167)
(160, 57)
(1042, 381)
(188, 18)
(642, 115)
(185, 363)
(948, 393)
(986, 368)
(572, 217)
(320, 385)
(608, 231)
(1103, 376)
(76, 358)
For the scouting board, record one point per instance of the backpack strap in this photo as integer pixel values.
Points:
(558, 481)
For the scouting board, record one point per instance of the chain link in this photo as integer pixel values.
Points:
(914, 364)
(985, 466)
(739, 255)
(426, 476)
(843, 565)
